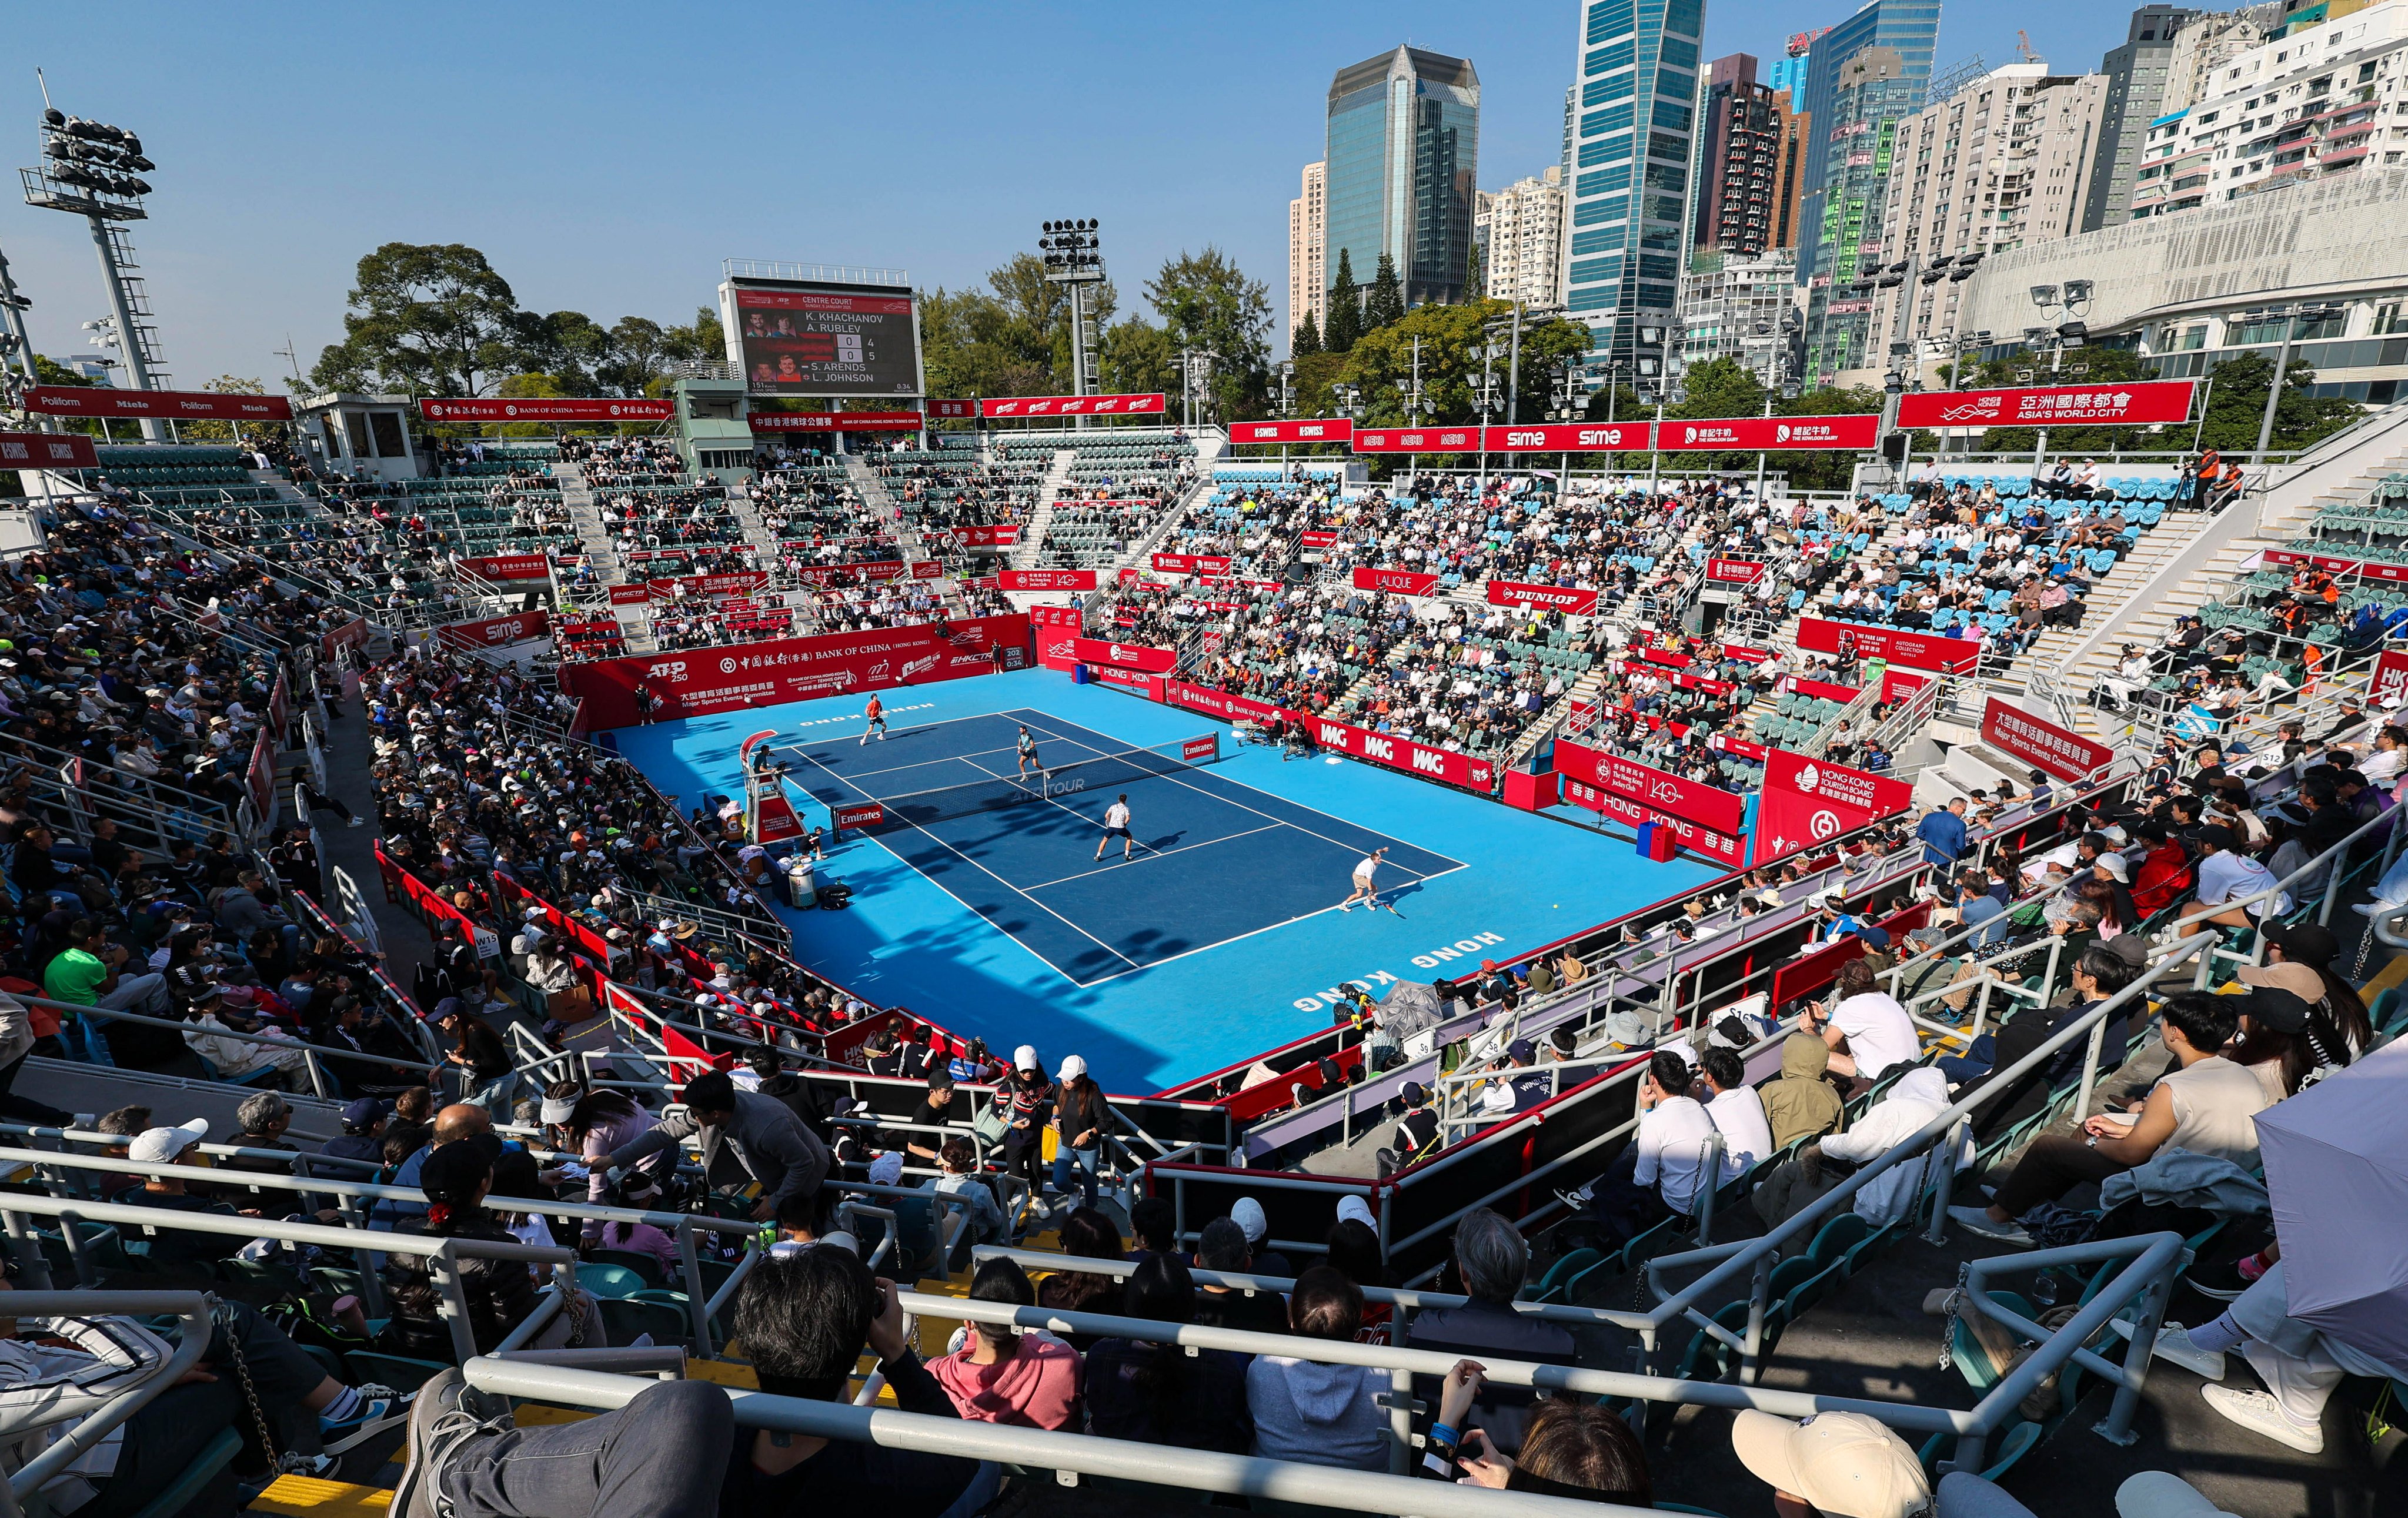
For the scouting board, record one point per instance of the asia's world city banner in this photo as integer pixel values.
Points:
(1056, 629)
(692, 682)
(2148, 401)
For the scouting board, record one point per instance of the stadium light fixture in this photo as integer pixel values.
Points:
(1073, 255)
(95, 170)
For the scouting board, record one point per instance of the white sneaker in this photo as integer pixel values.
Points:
(1977, 1219)
(2258, 1413)
(2173, 1345)
(357, 822)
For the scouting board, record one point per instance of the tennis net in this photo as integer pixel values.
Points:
(917, 809)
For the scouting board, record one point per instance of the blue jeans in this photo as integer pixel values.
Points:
(496, 1097)
(1085, 1159)
(1974, 1063)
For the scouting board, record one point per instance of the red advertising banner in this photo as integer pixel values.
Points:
(1822, 690)
(107, 400)
(1917, 650)
(1057, 633)
(1744, 748)
(1808, 801)
(1515, 593)
(2391, 679)
(546, 409)
(1395, 581)
(1580, 717)
(1045, 580)
(1220, 704)
(774, 820)
(494, 632)
(505, 565)
(2067, 755)
(1148, 686)
(1192, 564)
(1401, 753)
(1772, 434)
(857, 814)
(692, 682)
(1722, 848)
(872, 572)
(950, 409)
(1707, 805)
(735, 582)
(2161, 400)
(350, 635)
(987, 537)
(1733, 571)
(47, 450)
(1317, 539)
(836, 421)
(638, 594)
(1570, 437)
(1319, 430)
(1417, 440)
(1097, 650)
(1043, 405)
(260, 780)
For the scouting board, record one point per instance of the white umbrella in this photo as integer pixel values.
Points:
(2337, 1171)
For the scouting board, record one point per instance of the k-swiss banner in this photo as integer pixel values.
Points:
(495, 632)
(692, 682)
(506, 566)
(1722, 848)
(2161, 400)
(546, 409)
(2065, 755)
(1514, 593)
(1395, 581)
(1806, 802)
(1097, 650)
(1707, 805)
(47, 450)
(1762, 434)
(1045, 580)
(1319, 430)
(107, 400)
(1917, 650)
(1049, 406)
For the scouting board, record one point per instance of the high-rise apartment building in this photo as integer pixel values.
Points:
(1789, 72)
(1401, 169)
(1738, 160)
(2004, 162)
(1520, 230)
(1789, 186)
(2206, 43)
(1308, 281)
(1864, 76)
(1734, 307)
(2136, 93)
(1636, 63)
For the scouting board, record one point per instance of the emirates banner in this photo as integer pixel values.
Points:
(1515, 593)
(1401, 753)
(1570, 437)
(1917, 650)
(191, 404)
(1192, 564)
(2157, 400)
(993, 536)
(546, 409)
(693, 682)
(1049, 406)
(1057, 633)
(494, 632)
(1320, 430)
(2067, 755)
(506, 566)
(1418, 441)
(836, 421)
(1733, 571)
(1395, 581)
(1045, 580)
(1707, 805)
(1772, 435)
(1806, 802)
(1097, 650)
(1722, 848)
(47, 450)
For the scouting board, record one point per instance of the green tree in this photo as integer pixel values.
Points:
(1305, 339)
(424, 320)
(1345, 322)
(1386, 304)
(219, 432)
(569, 345)
(699, 341)
(1382, 360)
(2236, 405)
(1206, 301)
(1136, 358)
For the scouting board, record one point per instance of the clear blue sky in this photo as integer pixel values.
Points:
(607, 156)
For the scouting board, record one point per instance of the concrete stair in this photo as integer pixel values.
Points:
(592, 535)
(1027, 553)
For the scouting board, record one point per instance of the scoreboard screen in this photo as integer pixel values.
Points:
(805, 339)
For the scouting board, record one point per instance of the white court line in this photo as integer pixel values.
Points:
(857, 717)
(1154, 854)
(1017, 892)
(1012, 748)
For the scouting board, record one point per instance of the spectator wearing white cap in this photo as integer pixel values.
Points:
(173, 1249)
(1079, 1125)
(1020, 1098)
(1247, 1213)
(1841, 1465)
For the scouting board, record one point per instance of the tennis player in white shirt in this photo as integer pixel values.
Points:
(1116, 825)
(1366, 872)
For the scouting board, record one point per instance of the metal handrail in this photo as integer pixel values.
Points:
(192, 1308)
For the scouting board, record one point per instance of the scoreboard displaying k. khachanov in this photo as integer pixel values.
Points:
(797, 338)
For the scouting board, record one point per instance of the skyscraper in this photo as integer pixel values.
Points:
(1864, 76)
(2136, 88)
(1521, 228)
(1308, 283)
(1789, 72)
(1402, 168)
(1638, 73)
(1738, 160)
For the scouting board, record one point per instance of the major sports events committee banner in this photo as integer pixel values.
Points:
(2066, 755)
(1045, 580)
(2133, 405)
(693, 682)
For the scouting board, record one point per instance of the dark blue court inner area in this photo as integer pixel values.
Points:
(1212, 859)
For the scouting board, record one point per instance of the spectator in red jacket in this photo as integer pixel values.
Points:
(2165, 873)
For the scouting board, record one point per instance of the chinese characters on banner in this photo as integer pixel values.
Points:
(2391, 679)
(505, 565)
(1733, 571)
(1917, 650)
(2162, 400)
(1057, 631)
(2067, 755)
(1706, 806)
(1722, 848)
(1806, 802)
(692, 682)
(1045, 580)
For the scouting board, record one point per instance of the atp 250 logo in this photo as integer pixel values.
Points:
(672, 670)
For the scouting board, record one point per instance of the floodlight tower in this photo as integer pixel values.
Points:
(93, 170)
(1074, 256)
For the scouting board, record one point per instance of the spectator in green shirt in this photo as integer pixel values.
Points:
(89, 973)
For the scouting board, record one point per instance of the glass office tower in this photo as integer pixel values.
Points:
(1403, 151)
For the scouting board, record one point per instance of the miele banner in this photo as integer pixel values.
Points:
(1319, 430)
(1515, 593)
(1192, 564)
(1772, 435)
(1722, 848)
(1395, 581)
(1708, 805)
(1049, 406)
(107, 400)
(545, 409)
(1097, 650)
(693, 682)
(1570, 437)
(2067, 755)
(836, 421)
(1806, 802)
(2151, 401)
(1417, 440)
(1045, 580)
(495, 632)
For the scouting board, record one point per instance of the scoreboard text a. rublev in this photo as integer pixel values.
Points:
(809, 340)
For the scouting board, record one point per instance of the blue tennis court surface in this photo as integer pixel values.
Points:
(1208, 858)
(1219, 940)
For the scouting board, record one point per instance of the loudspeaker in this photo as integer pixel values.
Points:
(1893, 447)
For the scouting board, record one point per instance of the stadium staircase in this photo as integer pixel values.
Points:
(1140, 553)
(592, 535)
(1030, 551)
(2190, 569)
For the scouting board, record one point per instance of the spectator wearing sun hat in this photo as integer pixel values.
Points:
(1078, 1115)
(1842, 1465)
(1248, 1214)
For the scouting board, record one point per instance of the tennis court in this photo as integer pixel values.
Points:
(1210, 858)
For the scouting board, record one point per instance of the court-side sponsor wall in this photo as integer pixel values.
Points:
(692, 682)
(1460, 769)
